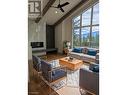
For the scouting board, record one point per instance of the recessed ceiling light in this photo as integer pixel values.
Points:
(56, 12)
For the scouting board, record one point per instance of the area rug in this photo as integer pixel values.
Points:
(72, 79)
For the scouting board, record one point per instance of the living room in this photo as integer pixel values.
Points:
(54, 32)
(62, 38)
(74, 63)
(62, 31)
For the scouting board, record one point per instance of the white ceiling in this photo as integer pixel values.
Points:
(44, 2)
(51, 17)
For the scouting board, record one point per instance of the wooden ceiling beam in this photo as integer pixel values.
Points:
(70, 12)
(45, 9)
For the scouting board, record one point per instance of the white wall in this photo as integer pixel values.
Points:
(61, 35)
(63, 31)
(68, 29)
(58, 37)
(36, 32)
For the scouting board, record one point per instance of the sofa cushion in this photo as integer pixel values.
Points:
(57, 74)
(87, 58)
(77, 50)
(92, 52)
(75, 55)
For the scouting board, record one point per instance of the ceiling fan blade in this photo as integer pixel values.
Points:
(64, 4)
(54, 7)
(62, 9)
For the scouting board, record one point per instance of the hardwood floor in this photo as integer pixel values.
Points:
(69, 91)
(51, 57)
(37, 87)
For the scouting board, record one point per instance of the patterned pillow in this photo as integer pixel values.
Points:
(84, 50)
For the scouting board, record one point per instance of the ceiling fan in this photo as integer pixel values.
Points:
(60, 6)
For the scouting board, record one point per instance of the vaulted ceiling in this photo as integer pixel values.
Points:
(50, 14)
(52, 17)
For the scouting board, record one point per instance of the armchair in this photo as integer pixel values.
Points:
(36, 63)
(50, 74)
(89, 80)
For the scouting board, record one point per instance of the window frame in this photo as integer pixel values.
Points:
(81, 26)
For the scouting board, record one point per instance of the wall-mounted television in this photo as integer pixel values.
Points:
(37, 44)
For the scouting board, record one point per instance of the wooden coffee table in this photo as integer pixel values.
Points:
(71, 64)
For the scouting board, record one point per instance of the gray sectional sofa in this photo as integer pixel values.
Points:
(86, 54)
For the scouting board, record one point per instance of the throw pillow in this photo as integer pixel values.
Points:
(84, 50)
(94, 68)
(97, 51)
(77, 50)
(54, 63)
(92, 52)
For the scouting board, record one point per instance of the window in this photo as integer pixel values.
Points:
(95, 19)
(86, 28)
(86, 18)
(77, 21)
(95, 36)
(76, 36)
(85, 35)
